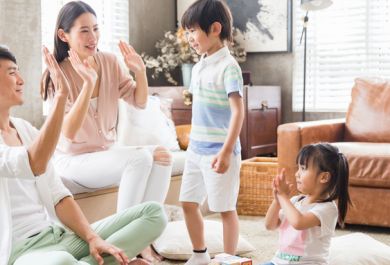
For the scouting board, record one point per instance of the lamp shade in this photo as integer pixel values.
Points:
(309, 5)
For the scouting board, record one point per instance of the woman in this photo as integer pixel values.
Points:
(86, 153)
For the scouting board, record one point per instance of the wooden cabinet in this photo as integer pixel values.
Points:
(262, 116)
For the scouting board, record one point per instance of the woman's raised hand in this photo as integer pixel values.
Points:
(132, 59)
(83, 68)
(61, 85)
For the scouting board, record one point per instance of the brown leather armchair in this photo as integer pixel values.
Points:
(364, 137)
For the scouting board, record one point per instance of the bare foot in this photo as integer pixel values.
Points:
(150, 255)
(139, 261)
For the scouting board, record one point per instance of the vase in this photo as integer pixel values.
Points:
(186, 69)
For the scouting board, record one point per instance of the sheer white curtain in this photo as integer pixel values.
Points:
(112, 15)
(349, 39)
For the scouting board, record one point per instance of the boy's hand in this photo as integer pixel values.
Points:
(221, 162)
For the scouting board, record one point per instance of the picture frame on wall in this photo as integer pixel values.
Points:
(181, 7)
(262, 25)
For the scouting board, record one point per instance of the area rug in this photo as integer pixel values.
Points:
(252, 228)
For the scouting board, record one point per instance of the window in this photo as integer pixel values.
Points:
(349, 39)
(112, 15)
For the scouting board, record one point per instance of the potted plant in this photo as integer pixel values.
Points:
(174, 50)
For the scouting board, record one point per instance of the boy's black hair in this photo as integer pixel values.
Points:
(327, 158)
(6, 54)
(204, 13)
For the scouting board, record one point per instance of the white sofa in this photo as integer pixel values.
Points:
(99, 203)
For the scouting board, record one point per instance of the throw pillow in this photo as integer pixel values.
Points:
(183, 135)
(149, 126)
(358, 249)
(368, 118)
(175, 243)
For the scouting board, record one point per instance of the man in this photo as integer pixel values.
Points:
(36, 207)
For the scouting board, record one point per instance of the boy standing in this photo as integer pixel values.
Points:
(213, 162)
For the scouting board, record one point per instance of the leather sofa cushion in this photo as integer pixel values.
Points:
(369, 163)
(368, 117)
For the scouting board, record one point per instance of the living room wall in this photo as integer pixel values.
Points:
(20, 30)
(266, 68)
(277, 69)
(148, 22)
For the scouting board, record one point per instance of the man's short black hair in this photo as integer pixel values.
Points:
(204, 13)
(6, 54)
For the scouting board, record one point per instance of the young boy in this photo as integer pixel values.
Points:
(213, 162)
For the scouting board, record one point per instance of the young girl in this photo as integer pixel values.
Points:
(86, 153)
(307, 222)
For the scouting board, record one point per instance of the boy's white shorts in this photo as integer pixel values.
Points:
(200, 180)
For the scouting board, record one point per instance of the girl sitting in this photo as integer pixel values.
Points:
(307, 221)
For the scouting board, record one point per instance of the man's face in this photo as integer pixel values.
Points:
(11, 84)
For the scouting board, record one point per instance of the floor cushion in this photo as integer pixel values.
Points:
(175, 243)
(358, 249)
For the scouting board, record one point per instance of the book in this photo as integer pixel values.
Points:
(227, 259)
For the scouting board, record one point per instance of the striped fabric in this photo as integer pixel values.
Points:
(213, 79)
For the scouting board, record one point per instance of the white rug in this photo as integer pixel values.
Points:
(265, 242)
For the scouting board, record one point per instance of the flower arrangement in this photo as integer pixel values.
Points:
(174, 50)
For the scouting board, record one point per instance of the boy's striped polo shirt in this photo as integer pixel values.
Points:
(213, 79)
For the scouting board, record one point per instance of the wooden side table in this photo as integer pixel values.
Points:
(262, 116)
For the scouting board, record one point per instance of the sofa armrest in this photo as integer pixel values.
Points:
(293, 136)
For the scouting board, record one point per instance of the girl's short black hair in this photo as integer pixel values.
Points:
(327, 158)
(6, 54)
(204, 13)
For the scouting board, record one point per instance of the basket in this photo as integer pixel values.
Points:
(256, 177)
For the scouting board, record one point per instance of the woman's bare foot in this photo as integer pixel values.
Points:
(150, 255)
(139, 261)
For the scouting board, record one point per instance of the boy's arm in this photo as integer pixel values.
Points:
(222, 160)
(237, 108)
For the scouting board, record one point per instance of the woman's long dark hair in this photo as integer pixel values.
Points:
(65, 20)
(327, 158)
